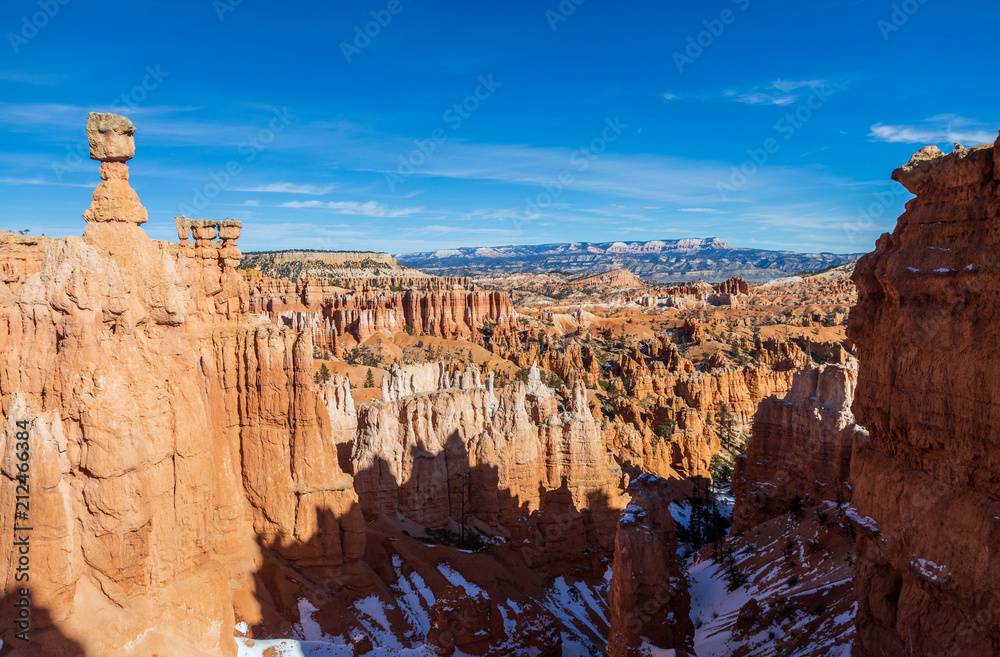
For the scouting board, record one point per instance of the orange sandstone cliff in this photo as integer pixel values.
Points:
(167, 427)
(800, 445)
(927, 333)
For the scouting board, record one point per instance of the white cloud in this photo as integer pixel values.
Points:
(289, 188)
(702, 210)
(779, 92)
(935, 130)
(367, 209)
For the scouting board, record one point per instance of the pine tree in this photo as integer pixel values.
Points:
(369, 379)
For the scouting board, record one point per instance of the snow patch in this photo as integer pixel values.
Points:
(456, 579)
(864, 521)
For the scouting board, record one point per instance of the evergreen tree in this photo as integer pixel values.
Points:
(370, 379)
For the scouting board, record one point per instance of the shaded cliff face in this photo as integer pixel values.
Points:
(512, 461)
(167, 429)
(800, 445)
(927, 333)
(648, 597)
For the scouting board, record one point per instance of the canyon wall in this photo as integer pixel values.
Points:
(448, 312)
(513, 461)
(174, 440)
(800, 446)
(664, 386)
(927, 333)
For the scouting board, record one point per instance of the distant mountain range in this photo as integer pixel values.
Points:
(665, 261)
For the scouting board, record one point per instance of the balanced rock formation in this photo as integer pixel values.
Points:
(800, 446)
(648, 599)
(176, 442)
(926, 328)
(112, 143)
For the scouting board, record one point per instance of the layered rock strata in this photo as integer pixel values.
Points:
(926, 329)
(176, 442)
(330, 315)
(800, 446)
(512, 461)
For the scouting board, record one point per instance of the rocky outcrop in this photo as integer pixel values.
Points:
(800, 446)
(526, 470)
(648, 598)
(925, 326)
(667, 388)
(735, 285)
(331, 315)
(615, 279)
(176, 443)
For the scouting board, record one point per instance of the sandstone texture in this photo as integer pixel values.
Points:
(513, 462)
(925, 326)
(800, 446)
(332, 314)
(110, 137)
(648, 597)
(614, 279)
(177, 443)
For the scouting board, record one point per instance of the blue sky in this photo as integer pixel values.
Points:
(769, 125)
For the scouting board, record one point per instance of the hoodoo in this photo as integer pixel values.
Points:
(177, 446)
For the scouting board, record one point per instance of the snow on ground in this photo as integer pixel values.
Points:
(799, 575)
(582, 608)
(414, 597)
(372, 616)
(457, 579)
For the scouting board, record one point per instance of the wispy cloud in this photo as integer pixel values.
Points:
(31, 78)
(43, 181)
(702, 210)
(368, 209)
(72, 116)
(289, 188)
(779, 92)
(935, 130)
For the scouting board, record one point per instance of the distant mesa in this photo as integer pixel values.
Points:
(326, 265)
(662, 261)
